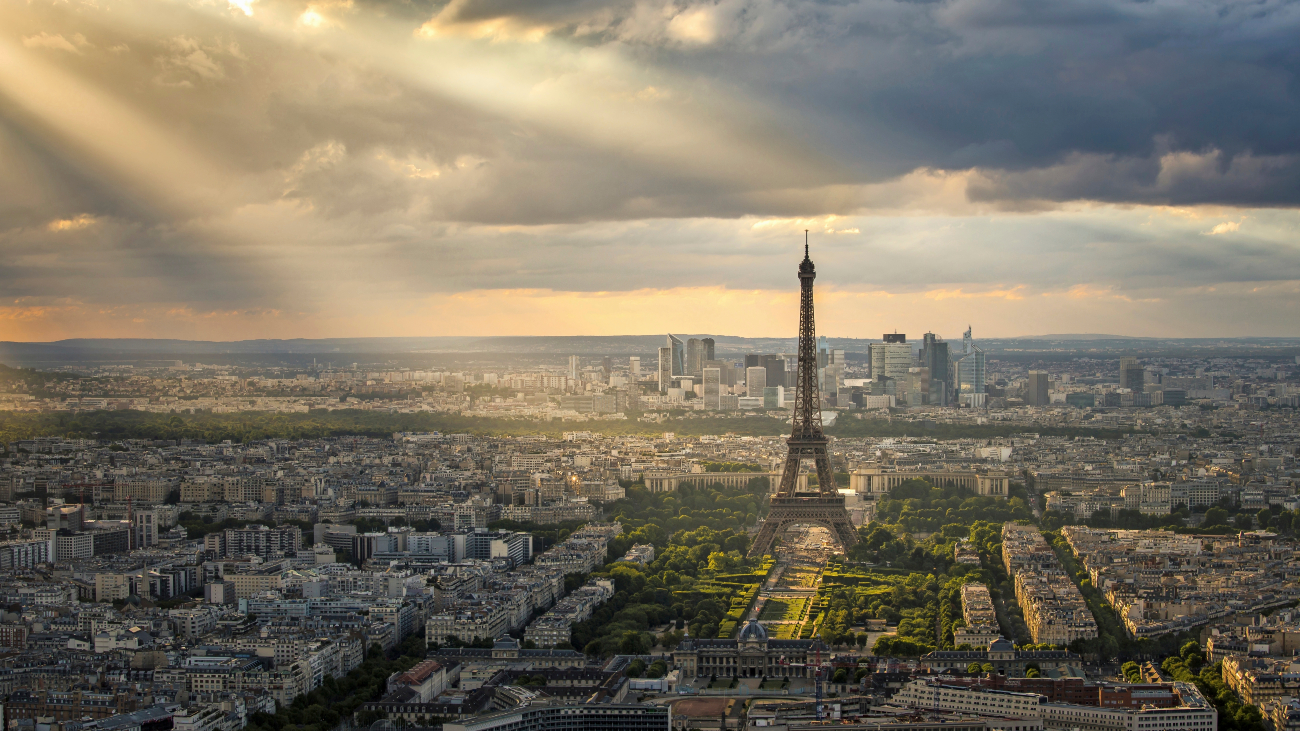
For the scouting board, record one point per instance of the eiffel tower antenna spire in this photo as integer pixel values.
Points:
(806, 442)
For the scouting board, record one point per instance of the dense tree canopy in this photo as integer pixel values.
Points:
(699, 578)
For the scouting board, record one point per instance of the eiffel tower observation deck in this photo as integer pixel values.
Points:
(806, 442)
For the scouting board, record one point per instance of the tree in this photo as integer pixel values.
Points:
(1215, 516)
(973, 668)
(1132, 672)
(1283, 522)
(1191, 655)
(841, 676)
(987, 667)
(632, 644)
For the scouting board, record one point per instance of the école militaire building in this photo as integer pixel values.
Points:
(752, 654)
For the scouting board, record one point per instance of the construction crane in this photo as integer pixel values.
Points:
(818, 670)
(81, 488)
(817, 682)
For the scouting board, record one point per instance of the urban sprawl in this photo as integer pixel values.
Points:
(1098, 543)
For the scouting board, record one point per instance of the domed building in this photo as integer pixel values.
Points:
(751, 655)
(752, 632)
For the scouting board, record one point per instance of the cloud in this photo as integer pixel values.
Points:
(56, 41)
(963, 156)
(71, 224)
(187, 60)
(325, 14)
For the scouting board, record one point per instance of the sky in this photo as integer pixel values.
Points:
(235, 169)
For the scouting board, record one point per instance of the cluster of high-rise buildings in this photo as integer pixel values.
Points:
(895, 374)
(926, 378)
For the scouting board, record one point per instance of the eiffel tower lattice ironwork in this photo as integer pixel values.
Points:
(806, 441)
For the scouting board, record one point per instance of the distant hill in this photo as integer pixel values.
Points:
(1080, 337)
(300, 350)
(576, 344)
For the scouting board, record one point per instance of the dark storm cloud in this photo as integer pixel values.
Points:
(1000, 85)
(1010, 86)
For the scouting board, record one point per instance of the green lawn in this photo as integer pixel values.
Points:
(798, 579)
(789, 609)
(784, 631)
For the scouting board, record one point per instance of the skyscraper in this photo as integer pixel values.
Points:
(573, 367)
(892, 358)
(694, 357)
(1131, 375)
(934, 356)
(728, 370)
(775, 366)
(969, 366)
(712, 388)
(677, 363)
(755, 381)
(665, 368)
(1036, 389)
(634, 367)
(699, 351)
(831, 378)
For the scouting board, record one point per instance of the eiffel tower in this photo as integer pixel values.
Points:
(806, 441)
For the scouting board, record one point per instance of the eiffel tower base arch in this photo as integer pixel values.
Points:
(823, 510)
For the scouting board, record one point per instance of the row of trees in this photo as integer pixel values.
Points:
(544, 535)
(252, 426)
(1189, 666)
(1112, 639)
(1219, 519)
(1125, 520)
(916, 506)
